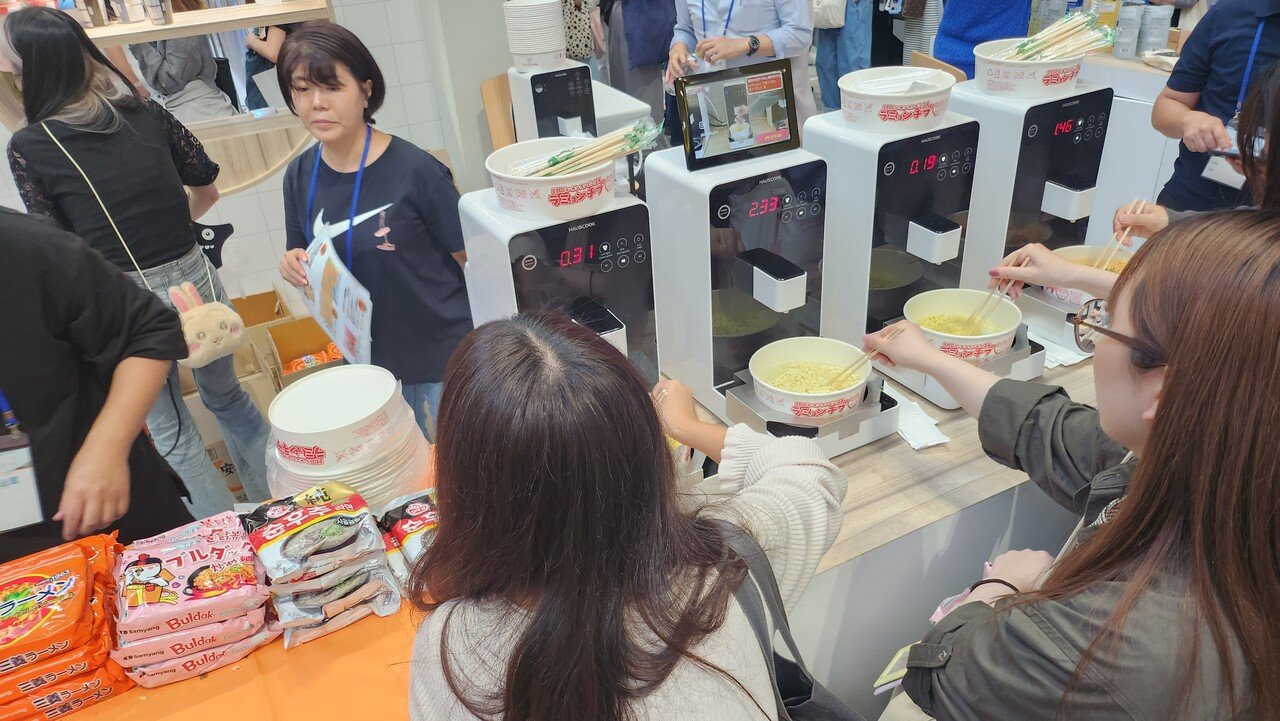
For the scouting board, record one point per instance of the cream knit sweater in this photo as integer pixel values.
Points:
(785, 493)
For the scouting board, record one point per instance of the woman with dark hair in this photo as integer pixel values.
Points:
(411, 258)
(567, 580)
(1166, 608)
(84, 122)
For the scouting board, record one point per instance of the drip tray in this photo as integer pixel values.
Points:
(742, 406)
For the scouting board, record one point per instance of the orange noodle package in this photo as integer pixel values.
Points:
(46, 601)
(190, 577)
(59, 699)
(31, 677)
(201, 662)
(178, 644)
(314, 532)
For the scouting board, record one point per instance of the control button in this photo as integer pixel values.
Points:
(1102, 117)
(802, 197)
(723, 213)
(967, 168)
(889, 168)
(1079, 121)
(640, 256)
(606, 266)
(638, 240)
(624, 261)
(968, 152)
(529, 262)
(817, 193)
(786, 200)
(1032, 131)
(786, 217)
(955, 170)
(622, 243)
(942, 175)
(801, 212)
(604, 247)
(1092, 118)
(816, 208)
(1088, 135)
(943, 159)
(1076, 138)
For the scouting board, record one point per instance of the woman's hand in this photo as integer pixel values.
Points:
(674, 402)
(1042, 267)
(1202, 132)
(678, 62)
(910, 350)
(1025, 569)
(1150, 221)
(293, 267)
(721, 48)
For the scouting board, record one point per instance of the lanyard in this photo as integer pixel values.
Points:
(726, 18)
(7, 416)
(355, 194)
(1248, 68)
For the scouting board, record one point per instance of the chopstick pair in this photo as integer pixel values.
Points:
(854, 368)
(1105, 258)
(980, 314)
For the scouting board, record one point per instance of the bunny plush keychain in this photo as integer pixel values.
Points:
(212, 330)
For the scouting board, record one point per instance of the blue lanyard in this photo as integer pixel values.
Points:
(1248, 68)
(7, 416)
(355, 194)
(726, 18)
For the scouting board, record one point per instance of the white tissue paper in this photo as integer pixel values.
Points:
(1057, 355)
(915, 426)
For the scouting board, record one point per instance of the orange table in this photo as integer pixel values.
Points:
(360, 672)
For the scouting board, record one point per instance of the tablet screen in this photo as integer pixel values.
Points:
(738, 113)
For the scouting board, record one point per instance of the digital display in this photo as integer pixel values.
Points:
(763, 206)
(926, 164)
(577, 255)
(737, 114)
(1064, 128)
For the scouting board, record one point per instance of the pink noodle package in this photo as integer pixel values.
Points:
(191, 578)
(188, 641)
(201, 662)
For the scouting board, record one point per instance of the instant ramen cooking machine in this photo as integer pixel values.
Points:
(897, 233)
(1035, 183)
(738, 252)
(566, 101)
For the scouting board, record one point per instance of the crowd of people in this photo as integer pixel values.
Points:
(568, 579)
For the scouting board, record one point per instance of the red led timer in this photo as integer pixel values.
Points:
(928, 163)
(577, 255)
(1064, 127)
(762, 207)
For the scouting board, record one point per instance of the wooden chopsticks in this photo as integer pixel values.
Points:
(980, 314)
(854, 368)
(1105, 258)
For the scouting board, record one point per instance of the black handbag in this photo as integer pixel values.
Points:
(798, 696)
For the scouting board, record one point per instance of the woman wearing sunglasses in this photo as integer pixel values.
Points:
(1166, 607)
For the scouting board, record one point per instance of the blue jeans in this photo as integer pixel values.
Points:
(424, 399)
(174, 430)
(843, 50)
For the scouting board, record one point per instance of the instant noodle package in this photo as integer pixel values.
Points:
(190, 600)
(326, 559)
(410, 527)
(56, 630)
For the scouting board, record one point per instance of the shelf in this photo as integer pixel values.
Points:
(244, 124)
(214, 20)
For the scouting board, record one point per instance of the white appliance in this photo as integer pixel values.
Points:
(897, 230)
(1037, 177)
(596, 269)
(738, 252)
(566, 101)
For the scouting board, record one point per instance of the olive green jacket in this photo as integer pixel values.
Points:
(1016, 664)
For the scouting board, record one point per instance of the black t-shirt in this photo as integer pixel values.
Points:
(139, 171)
(401, 254)
(70, 319)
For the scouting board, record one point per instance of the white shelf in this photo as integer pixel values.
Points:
(214, 20)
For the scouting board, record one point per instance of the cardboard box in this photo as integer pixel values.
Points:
(1178, 38)
(245, 361)
(260, 388)
(294, 339)
(221, 458)
(261, 308)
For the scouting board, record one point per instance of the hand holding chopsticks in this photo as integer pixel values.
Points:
(1105, 257)
(999, 292)
(853, 369)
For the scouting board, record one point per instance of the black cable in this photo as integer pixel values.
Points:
(174, 400)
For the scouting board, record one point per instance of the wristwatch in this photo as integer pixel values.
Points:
(753, 45)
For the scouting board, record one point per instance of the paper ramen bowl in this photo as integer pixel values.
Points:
(321, 422)
(954, 301)
(769, 360)
(559, 197)
(1023, 78)
(1070, 299)
(537, 61)
(877, 99)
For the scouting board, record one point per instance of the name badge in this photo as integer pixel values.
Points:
(19, 492)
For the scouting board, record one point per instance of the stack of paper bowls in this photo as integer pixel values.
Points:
(350, 425)
(535, 33)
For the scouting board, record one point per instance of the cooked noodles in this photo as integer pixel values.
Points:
(810, 377)
(955, 325)
(1115, 266)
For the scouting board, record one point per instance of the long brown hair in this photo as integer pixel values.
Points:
(1261, 110)
(557, 495)
(1205, 498)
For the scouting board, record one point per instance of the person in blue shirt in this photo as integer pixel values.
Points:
(391, 208)
(1228, 50)
(744, 32)
(844, 50)
(966, 24)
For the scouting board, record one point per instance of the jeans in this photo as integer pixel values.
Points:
(174, 430)
(843, 50)
(424, 399)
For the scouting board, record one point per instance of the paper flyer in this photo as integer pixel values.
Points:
(338, 302)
